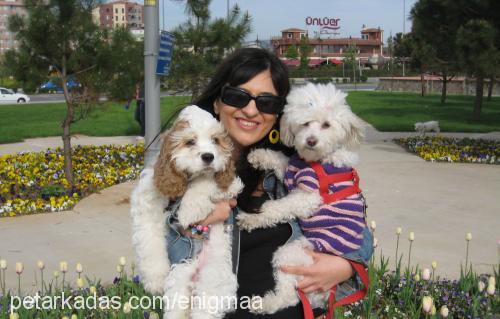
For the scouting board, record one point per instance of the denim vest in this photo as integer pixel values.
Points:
(182, 248)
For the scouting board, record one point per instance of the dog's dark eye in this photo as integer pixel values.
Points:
(325, 125)
(190, 142)
(306, 124)
(216, 140)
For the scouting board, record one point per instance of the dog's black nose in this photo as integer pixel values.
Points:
(207, 157)
(311, 141)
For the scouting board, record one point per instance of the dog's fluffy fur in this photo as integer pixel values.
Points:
(194, 164)
(313, 112)
(423, 127)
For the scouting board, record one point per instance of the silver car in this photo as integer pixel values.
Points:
(7, 96)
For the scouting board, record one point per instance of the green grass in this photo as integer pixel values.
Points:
(394, 112)
(18, 122)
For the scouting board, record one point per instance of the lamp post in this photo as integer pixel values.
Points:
(151, 79)
(404, 30)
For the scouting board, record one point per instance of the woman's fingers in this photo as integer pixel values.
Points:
(221, 212)
(297, 270)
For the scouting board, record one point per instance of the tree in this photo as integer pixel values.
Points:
(434, 26)
(478, 55)
(292, 52)
(305, 51)
(201, 43)
(60, 35)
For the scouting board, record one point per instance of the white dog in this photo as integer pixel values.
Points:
(422, 127)
(320, 125)
(194, 164)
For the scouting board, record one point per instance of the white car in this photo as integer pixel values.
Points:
(7, 96)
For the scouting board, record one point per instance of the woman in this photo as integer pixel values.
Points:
(247, 95)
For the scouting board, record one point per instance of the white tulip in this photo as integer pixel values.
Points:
(444, 311)
(399, 230)
(92, 290)
(123, 261)
(426, 274)
(119, 268)
(14, 315)
(373, 225)
(491, 290)
(73, 316)
(481, 285)
(427, 304)
(491, 281)
(79, 268)
(40, 265)
(63, 266)
(468, 237)
(19, 268)
(3, 264)
(80, 283)
(417, 277)
(411, 237)
(126, 308)
(56, 274)
(434, 265)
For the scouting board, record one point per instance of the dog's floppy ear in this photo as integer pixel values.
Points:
(355, 131)
(168, 179)
(225, 178)
(286, 135)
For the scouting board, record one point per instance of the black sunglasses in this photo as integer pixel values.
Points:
(266, 103)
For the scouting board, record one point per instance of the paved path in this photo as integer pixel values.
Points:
(440, 202)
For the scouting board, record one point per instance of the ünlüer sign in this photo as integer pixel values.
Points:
(325, 23)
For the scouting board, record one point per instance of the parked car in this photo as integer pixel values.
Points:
(7, 96)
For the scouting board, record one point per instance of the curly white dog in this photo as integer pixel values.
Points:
(322, 128)
(194, 164)
(422, 127)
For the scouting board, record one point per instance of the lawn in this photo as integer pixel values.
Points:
(18, 122)
(393, 112)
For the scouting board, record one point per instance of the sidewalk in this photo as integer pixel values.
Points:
(440, 202)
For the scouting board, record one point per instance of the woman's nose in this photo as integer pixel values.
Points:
(251, 109)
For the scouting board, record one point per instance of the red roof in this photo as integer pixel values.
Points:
(293, 30)
(291, 62)
(335, 61)
(315, 62)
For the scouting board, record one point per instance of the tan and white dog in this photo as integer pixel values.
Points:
(195, 165)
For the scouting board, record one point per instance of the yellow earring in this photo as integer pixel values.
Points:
(274, 136)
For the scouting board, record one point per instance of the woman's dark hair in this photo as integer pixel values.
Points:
(239, 68)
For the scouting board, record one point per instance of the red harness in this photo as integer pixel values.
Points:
(325, 180)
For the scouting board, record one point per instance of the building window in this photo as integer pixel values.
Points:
(123, 18)
(116, 18)
(289, 35)
(123, 10)
(116, 10)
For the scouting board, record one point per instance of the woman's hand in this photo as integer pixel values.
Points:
(221, 212)
(325, 272)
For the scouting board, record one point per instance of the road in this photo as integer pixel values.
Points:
(59, 98)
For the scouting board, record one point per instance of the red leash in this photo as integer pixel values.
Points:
(325, 180)
(358, 295)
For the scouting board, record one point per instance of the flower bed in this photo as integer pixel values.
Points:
(35, 182)
(445, 149)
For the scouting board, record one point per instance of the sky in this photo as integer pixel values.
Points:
(269, 17)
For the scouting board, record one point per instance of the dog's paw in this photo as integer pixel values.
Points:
(268, 160)
(247, 221)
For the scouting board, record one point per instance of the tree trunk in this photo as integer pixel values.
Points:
(422, 82)
(490, 88)
(476, 115)
(66, 125)
(443, 91)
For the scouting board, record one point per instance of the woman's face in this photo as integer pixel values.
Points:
(248, 125)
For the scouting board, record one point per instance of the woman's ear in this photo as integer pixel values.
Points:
(216, 106)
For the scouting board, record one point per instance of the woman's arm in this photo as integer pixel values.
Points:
(325, 272)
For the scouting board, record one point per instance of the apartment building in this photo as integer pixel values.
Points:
(8, 8)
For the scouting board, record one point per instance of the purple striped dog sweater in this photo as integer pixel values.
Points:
(334, 228)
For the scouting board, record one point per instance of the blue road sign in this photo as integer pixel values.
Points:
(165, 54)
